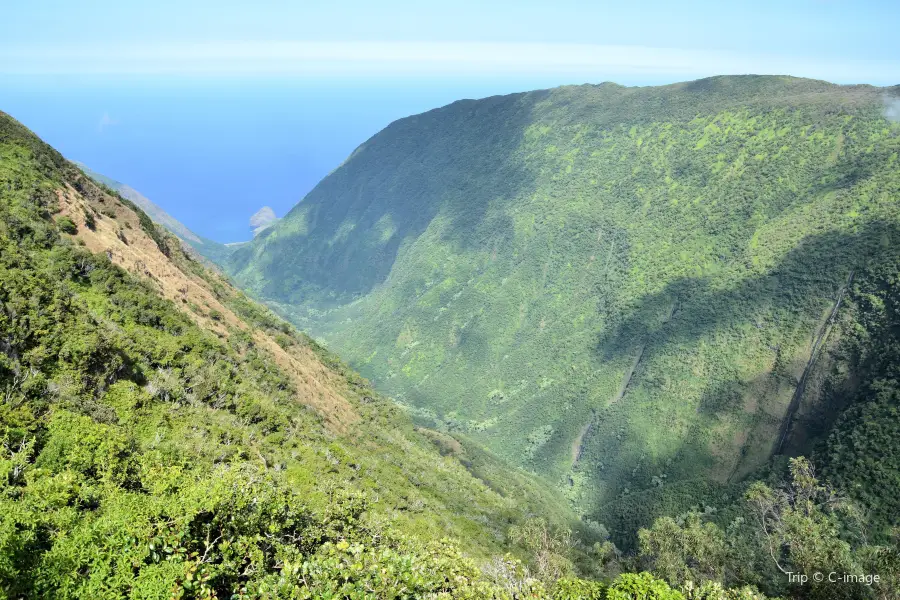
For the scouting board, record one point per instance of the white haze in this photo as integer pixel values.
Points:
(892, 109)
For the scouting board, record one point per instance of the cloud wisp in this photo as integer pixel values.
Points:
(892, 109)
(420, 58)
(262, 220)
(105, 122)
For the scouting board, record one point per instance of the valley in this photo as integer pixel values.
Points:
(164, 434)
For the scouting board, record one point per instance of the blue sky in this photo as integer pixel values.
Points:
(213, 109)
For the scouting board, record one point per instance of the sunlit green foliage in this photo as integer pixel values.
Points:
(642, 586)
(67, 225)
(692, 551)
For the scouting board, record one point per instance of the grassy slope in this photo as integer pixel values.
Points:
(643, 270)
(114, 340)
(207, 248)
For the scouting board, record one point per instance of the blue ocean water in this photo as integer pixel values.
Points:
(212, 152)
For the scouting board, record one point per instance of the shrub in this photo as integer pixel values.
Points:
(67, 225)
(641, 586)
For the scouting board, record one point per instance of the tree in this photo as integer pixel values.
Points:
(685, 550)
(801, 527)
(549, 547)
(799, 522)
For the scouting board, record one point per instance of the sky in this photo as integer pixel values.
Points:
(213, 109)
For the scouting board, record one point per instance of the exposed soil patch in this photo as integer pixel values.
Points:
(116, 230)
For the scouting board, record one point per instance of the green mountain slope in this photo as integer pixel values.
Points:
(207, 248)
(618, 288)
(163, 436)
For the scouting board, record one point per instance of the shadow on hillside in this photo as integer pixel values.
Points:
(795, 288)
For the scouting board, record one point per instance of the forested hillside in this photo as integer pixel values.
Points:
(626, 290)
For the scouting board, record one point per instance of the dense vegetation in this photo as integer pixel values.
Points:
(152, 448)
(617, 288)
